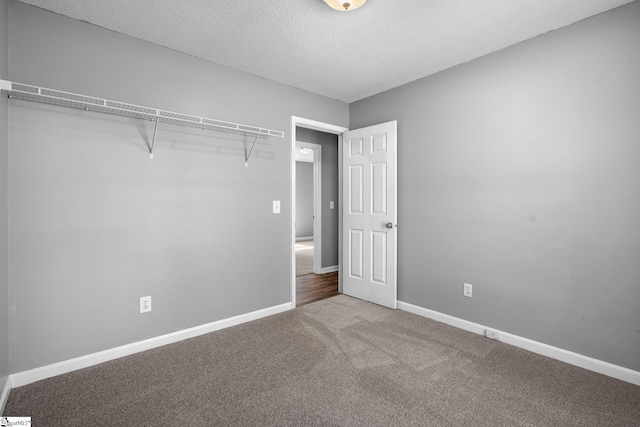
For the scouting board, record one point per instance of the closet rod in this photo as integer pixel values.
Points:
(90, 103)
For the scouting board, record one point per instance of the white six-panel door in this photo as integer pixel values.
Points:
(369, 270)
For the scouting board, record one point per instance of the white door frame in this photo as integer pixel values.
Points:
(317, 203)
(327, 128)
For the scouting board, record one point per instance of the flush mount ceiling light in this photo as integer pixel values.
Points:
(345, 5)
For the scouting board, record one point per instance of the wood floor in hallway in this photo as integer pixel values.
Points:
(315, 287)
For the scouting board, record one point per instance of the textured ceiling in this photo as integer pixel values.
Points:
(342, 55)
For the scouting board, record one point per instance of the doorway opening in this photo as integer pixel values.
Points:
(324, 141)
(308, 211)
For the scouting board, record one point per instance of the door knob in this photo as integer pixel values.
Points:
(389, 225)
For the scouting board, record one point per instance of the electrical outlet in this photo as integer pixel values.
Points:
(468, 290)
(490, 333)
(145, 304)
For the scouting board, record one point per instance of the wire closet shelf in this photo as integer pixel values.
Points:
(90, 103)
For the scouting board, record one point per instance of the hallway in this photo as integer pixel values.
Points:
(315, 287)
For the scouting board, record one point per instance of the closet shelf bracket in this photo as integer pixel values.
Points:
(153, 140)
(248, 155)
(90, 103)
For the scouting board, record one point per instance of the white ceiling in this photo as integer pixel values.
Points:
(342, 55)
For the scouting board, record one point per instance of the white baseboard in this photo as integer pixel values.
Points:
(298, 239)
(5, 394)
(37, 374)
(566, 356)
(330, 269)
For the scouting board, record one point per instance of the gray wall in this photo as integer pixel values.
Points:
(4, 135)
(94, 224)
(304, 199)
(329, 166)
(520, 173)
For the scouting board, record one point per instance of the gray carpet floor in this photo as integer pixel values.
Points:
(304, 257)
(336, 362)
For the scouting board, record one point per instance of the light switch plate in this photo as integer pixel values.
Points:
(331, 205)
(276, 206)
